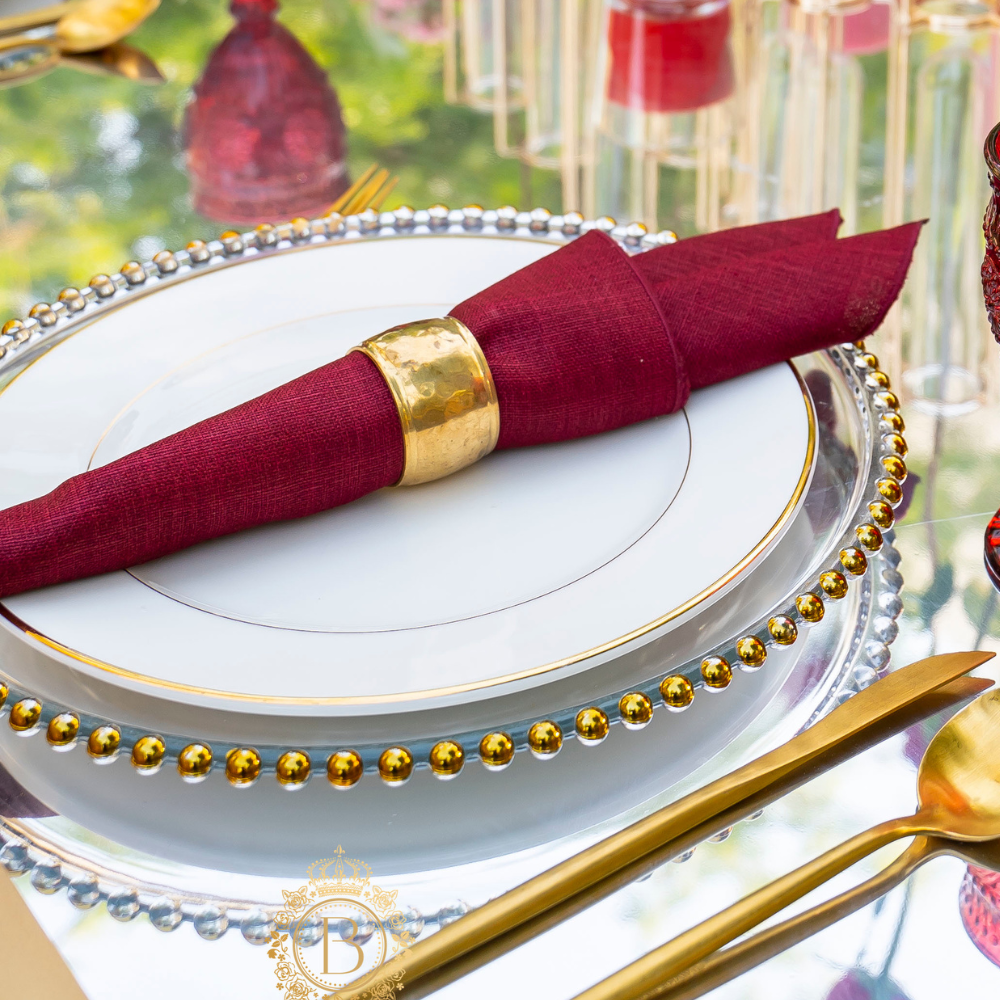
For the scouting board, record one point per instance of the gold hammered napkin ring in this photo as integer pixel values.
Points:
(444, 392)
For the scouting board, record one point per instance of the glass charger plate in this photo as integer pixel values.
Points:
(582, 787)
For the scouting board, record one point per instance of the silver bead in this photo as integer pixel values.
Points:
(84, 892)
(257, 927)
(211, 922)
(522, 220)
(539, 219)
(365, 928)
(456, 217)
(885, 629)
(864, 676)
(14, 857)
(421, 217)
(890, 554)
(634, 232)
(46, 876)
(891, 605)
(572, 222)
(438, 215)
(722, 835)
(123, 904)
(755, 816)
(165, 915)
(369, 220)
(412, 925)
(892, 579)
(404, 217)
(686, 856)
(165, 262)
(310, 932)
(605, 224)
(472, 216)
(506, 217)
(665, 237)
(877, 653)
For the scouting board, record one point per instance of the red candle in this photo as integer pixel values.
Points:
(668, 57)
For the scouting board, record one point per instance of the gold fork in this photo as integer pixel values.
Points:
(369, 191)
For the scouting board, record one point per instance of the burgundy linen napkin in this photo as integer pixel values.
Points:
(584, 340)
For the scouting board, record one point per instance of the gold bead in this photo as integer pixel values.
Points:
(890, 489)
(15, 328)
(496, 751)
(103, 285)
(232, 242)
(242, 766)
(677, 692)
(25, 715)
(301, 229)
(895, 443)
(881, 514)
(716, 673)
(592, 725)
(886, 400)
(834, 584)
(895, 466)
(293, 768)
(148, 753)
(636, 710)
(345, 768)
(165, 261)
(395, 765)
(194, 762)
(63, 730)
(43, 313)
(868, 360)
(892, 421)
(266, 236)
(72, 299)
(877, 380)
(783, 630)
(4, 691)
(198, 251)
(751, 651)
(104, 742)
(810, 607)
(869, 536)
(447, 759)
(545, 739)
(854, 560)
(133, 272)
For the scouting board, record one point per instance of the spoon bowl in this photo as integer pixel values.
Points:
(958, 782)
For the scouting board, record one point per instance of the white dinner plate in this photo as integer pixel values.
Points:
(526, 568)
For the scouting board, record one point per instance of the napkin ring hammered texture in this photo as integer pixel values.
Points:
(443, 389)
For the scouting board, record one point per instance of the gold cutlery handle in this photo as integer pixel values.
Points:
(16, 23)
(639, 980)
(544, 892)
(723, 966)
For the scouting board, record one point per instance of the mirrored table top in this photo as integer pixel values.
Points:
(677, 114)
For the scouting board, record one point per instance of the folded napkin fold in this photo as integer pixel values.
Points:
(584, 340)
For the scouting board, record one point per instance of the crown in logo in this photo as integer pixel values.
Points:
(340, 876)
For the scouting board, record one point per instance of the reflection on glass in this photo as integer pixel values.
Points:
(663, 123)
(941, 107)
(264, 134)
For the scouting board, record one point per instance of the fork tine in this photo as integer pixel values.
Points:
(359, 202)
(379, 200)
(345, 198)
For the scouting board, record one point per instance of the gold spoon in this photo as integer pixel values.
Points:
(958, 787)
(91, 25)
(725, 965)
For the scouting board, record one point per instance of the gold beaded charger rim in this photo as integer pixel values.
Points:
(205, 259)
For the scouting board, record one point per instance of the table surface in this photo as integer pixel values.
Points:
(881, 110)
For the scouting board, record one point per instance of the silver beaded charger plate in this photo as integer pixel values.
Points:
(756, 609)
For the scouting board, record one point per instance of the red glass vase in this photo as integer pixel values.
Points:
(980, 904)
(264, 134)
(991, 229)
